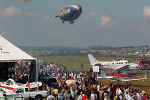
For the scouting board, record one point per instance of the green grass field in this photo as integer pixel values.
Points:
(72, 63)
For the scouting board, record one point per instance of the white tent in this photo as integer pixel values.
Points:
(11, 53)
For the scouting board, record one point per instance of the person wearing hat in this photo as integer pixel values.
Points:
(55, 92)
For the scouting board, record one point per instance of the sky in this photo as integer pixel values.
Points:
(102, 23)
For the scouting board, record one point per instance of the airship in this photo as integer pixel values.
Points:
(70, 13)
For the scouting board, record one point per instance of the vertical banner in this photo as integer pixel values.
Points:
(95, 68)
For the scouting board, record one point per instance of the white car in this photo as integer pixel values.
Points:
(31, 93)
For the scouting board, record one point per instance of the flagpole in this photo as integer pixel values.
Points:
(36, 70)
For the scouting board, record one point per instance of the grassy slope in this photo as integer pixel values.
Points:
(72, 63)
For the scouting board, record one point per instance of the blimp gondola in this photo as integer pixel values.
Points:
(70, 13)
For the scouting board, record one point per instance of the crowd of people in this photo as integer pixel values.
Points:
(20, 73)
(87, 87)
(49, 70)
(82, 85)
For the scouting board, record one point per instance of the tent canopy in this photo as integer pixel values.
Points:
(11, 53)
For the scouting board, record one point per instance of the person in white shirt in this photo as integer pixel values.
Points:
(79, 97)
(50, 97)
(128, 97)
(118, 91)
(93, 96)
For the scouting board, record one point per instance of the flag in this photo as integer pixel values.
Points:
(28, 84)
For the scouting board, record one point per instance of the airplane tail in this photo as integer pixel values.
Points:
(92, 60)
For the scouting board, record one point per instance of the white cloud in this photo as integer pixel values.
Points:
(104, 20)
(107, 21)
(12, 11)
(147, 12)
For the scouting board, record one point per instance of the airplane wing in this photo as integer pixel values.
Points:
(128, 66)
(127, 79)
(136, 79)
(133, 66)
(120, 68)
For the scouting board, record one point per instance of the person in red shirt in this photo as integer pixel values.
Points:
(84, 97)
(145, 96)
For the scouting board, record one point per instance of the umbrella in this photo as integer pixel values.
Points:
(70, 81)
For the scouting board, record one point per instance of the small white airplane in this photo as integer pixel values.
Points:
(10, 85)
(115, 65)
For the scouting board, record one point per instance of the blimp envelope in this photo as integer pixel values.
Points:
(70, 13)
(70, 81)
